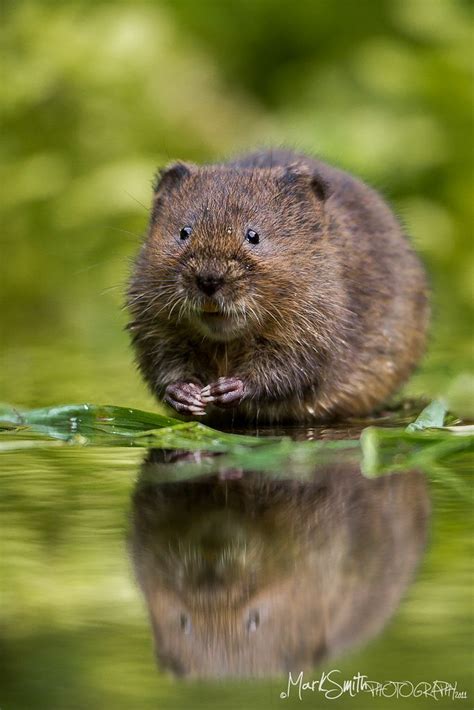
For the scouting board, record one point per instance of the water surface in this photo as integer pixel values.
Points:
(151, 579)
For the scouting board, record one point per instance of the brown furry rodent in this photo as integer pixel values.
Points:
(276, 285)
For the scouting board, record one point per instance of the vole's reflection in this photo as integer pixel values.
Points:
(254, 576)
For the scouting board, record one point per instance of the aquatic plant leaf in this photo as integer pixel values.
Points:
(110, 425)
(381, 450)
(432, 416)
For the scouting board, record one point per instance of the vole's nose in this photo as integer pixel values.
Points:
(209, 283)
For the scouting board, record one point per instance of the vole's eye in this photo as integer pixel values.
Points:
(252, 236)
(185, 233)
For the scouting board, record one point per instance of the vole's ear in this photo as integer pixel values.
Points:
(171, 176)
(302, 176)
(320, 186)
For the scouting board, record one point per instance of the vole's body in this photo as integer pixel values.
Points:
(324, 317)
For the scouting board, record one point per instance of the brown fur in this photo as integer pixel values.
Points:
(259, 577)
(325, 317)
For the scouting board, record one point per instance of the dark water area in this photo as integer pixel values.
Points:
(165, 579)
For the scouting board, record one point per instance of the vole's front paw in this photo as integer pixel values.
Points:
(185, 397)
(226, 392)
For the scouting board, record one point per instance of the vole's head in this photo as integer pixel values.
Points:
(228, 249)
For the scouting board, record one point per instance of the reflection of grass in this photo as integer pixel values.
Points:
(424, 444)
(387, 451)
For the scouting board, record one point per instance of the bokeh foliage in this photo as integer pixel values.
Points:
(96, 95)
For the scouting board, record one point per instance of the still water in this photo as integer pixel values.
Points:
(152, 579)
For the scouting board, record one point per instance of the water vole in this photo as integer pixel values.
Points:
(275, 285)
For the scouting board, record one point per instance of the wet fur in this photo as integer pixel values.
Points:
(330, 308)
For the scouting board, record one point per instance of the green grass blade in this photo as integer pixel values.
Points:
(109, 425)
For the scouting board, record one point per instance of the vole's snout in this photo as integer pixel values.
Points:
(209, 282)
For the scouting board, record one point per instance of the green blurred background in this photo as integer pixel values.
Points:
(96, 95)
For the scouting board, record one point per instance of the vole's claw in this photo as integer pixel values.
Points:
(206, 392)
(185, 398)
(226, 392)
